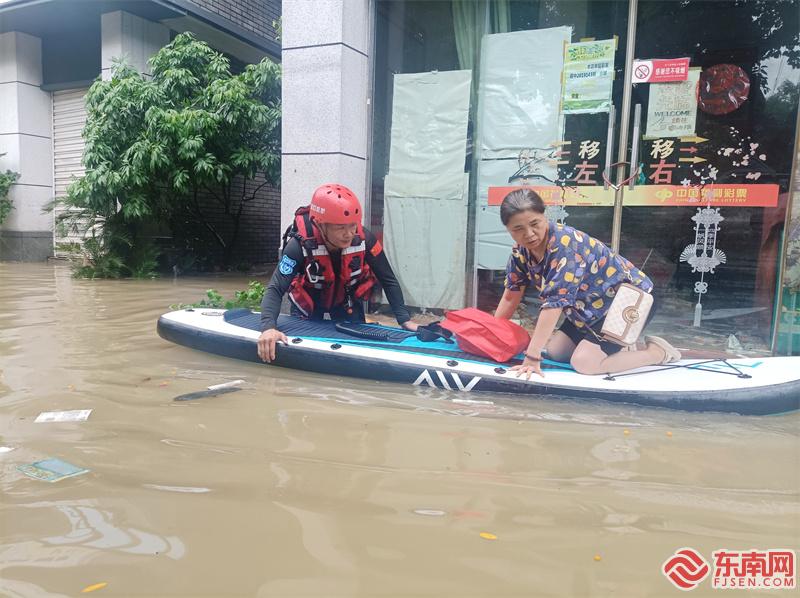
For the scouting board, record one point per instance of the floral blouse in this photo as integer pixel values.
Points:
(577, 273)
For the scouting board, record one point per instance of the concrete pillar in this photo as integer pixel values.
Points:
(132, 38)
(325, 90)
(26, 139)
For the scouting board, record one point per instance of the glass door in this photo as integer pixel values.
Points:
(473, 98)
(550, 84)
(712, 123)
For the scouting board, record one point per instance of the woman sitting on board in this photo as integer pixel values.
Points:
(329, 264)
(577, 275)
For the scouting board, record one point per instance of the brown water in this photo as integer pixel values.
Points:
(310, 485)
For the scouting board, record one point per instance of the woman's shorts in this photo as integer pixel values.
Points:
(576, 335)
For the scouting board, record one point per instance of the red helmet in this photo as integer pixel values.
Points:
(335, 204)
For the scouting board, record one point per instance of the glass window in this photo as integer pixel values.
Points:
(708, 213)
(475, 98)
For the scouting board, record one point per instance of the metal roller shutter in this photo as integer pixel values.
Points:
(69, 118)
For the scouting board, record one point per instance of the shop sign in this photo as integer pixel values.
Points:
(660, 70)
(718, 195)
(584, 195)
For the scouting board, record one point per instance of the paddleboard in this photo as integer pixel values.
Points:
(748, 386)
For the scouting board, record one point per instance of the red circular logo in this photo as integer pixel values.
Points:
(642, 71)
(685, 569)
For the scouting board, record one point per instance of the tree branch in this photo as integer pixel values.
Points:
(253, 196)
(217, 237)
(217, 197)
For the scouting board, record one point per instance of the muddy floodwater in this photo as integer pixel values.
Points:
(312, 485)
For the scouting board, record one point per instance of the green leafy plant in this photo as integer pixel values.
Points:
(7, 179)
(182, 152)
(98, 262)
(249, 298)
(277, 25)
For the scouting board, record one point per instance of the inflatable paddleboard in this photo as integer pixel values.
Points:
(749, 386)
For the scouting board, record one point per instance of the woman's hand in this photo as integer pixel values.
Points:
(411, 326)
(267, 341)
(528, 367)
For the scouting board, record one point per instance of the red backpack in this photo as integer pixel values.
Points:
(482, 334)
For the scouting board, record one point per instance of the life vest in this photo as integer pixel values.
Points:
(317, 278)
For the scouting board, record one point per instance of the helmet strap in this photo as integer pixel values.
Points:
(330, 246)
(322, 233)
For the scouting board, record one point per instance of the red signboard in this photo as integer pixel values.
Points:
(660, 70)
(718, 195)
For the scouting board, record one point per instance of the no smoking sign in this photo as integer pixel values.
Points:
(660, 70)
(642, 72)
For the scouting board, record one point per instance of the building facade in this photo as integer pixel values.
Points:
(50, 53)
(667, 130)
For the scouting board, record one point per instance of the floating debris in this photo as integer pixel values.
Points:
(430, 512)
(216, 389)
(487, 536)
(51, 470)
(77, 415)
(230, 384)
(186, 489)
(733, 343)
(472, 402)
(93, 587)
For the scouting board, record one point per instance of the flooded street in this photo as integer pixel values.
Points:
(312, 485)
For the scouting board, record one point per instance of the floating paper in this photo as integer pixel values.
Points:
(78, 415)
(51, 470)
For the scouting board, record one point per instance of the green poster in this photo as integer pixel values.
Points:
(588, 76)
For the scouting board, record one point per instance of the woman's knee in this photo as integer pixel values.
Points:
(560, 347)
(587, 359)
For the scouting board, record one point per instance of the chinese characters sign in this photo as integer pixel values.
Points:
(588, 76)
(738, 196)
(672, 109)
(660, 70)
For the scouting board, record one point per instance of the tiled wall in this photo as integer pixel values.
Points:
(259, 232)
(259, 236)
(254, 15)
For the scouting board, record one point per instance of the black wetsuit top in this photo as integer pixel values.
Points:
(292, 263)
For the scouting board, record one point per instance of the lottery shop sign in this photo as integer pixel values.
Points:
(717, 195)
